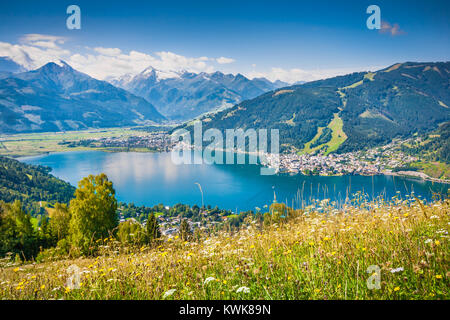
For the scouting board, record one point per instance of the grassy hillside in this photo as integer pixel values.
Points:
(336, 136)
(319, 254)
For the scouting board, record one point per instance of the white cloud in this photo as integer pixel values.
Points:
(223, 60)
(35, 50)
(112, 62)
(295, 74)
(108, 51)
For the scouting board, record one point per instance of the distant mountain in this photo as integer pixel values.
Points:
(186, 95)
(56, 97)
(349, 112)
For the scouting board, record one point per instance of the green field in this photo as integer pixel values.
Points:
(29, 144)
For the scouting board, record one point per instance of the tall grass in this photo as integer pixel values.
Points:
(321, 253)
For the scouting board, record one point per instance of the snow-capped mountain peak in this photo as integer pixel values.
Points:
(158, 74)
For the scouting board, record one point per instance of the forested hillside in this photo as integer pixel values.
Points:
(432, 147)
(371, 108)
(19, 181)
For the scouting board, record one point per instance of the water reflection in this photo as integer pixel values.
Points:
(152, 178)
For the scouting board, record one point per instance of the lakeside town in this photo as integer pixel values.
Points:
(374, 161)
(151, 141)
(388, 159)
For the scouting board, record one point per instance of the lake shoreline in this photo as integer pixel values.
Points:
(404, 174)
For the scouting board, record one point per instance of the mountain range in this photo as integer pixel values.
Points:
(350, 112)
(186, 95)
(344, 113)
(56, 97)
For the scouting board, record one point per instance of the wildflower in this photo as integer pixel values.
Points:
(316, 290)
(224, 281)
(67, 290)
(16, 269)
(243, 289)
(252, 247)
(438, 276)
(396, 288)
(43, 287)
(208, 280)
(428, 241)
(168, 293)
(437, 242)
(397, 270)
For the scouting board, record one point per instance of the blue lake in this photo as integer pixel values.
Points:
(152, 178)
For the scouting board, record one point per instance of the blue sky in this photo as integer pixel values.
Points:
(290, 40)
